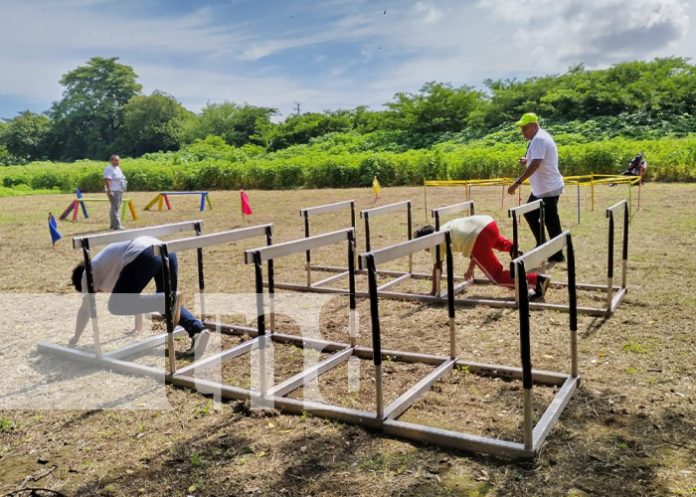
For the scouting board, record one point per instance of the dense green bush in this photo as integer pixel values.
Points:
(322, 166)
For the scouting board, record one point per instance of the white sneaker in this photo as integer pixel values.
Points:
(199, 344)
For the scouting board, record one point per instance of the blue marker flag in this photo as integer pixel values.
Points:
(53, 228)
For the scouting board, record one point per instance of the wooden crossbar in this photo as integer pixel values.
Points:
(404, 248)
(196, 242)
(454, 208)
(184, 193)
(297, 246)
(119, 236)
(539, 254)
(321, 209)
(524, 208)
(162, 199)
(378, 211)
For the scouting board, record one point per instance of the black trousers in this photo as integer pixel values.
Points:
(126, 298)
(551, 220)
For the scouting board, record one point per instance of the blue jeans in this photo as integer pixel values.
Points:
(126, 299)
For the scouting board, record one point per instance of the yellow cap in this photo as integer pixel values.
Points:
(529, 117)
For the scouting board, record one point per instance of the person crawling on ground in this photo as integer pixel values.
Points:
(124, 269)
(476, 237)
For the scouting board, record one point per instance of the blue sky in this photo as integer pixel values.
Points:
(324, 54)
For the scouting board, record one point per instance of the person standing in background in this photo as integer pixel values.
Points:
(541, 168)
(114, 186)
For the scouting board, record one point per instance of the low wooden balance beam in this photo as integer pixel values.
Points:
(162, 199)
(78, 202)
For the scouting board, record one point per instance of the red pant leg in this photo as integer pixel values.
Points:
(483, 256)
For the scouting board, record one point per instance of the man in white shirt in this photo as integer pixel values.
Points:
(541, 168)
(114, 185)
(124, 269)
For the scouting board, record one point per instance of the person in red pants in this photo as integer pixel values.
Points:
(476, 237)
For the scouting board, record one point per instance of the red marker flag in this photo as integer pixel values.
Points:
(246, 206)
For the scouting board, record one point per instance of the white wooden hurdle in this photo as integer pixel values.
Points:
(366, 215)
(534, 436)
(117, 359)
(385, 418)
(614, 293)
(309, 212)
(198, 243)
(460, 208)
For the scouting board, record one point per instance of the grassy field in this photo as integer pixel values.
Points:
(629, 431)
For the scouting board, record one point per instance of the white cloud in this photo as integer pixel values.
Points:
(213, 54)
(595, 32)
(427, 12)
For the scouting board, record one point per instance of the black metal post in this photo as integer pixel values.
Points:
(525, 347)
(572, 291)
(167, 288)
(269, 242)
(308, 254)
(450, 295)
(610, 250)
(515, 237)
(88, 266)
(352, 214)
(450, 274)
(367, 232)
(374, 310)
(625, 233)
(199, 252)
(351, 270)
(92, 294)
(258, 270)
(542, 220)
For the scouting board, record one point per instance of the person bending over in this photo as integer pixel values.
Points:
(124, 269)
(476, 237)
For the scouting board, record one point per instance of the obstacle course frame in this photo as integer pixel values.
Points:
(80, 201)
(386, 417)
(614, 293)
(162, 199)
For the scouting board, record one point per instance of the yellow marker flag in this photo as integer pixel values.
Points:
(375, 187)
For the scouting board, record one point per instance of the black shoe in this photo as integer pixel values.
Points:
(557, 257)
(542, 285)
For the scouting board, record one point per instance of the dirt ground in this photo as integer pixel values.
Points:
(629, 431)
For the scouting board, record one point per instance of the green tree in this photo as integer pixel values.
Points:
(236, 124)
(436, 108)
(25, 135)
(150, 123)
(85, 119)
(365, 120)
(297, 129)
(650, 92)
